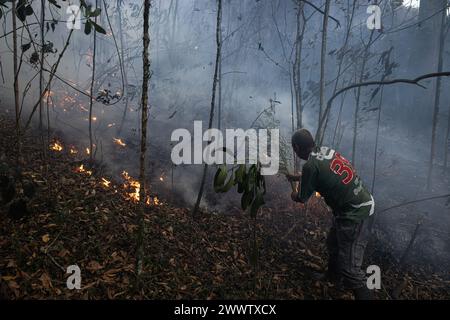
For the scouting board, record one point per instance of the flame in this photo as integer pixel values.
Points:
(106, 183)
(318, 195)
(56, 146)
(73, 150)
(88, 151)
(130, 183)
(119, 142)
(161, 178)
(81, 169)
(155, 201)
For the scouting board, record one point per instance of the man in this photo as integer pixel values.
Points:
(330, 174)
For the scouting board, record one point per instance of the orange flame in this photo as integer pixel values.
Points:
(130, 183)
(106, 183)
(81, 169)
(56, 146)
(119, 142)
(73, 150)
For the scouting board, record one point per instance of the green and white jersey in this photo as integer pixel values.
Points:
(333, 176)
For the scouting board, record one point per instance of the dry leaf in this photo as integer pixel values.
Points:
(46, 238)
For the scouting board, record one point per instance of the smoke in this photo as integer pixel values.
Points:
(257, 62)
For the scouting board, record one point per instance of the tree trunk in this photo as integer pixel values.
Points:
(91, 94)
(211, 112)
(41, 75)
(358, 97)
(437, 96)
(322, 59)
(375, 157)
(16, 72)
(144, 120)
(297, 63)
(125, 78)
(341, 61)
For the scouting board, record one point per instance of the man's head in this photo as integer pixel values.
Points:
(303, 143)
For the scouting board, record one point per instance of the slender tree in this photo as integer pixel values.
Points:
(301, 23)
(213, 100)
(144, 120)
(16, 71)
(41, 73)
(91, 98)
(358, 95)
(437, 96)
(125, 76)
(322, 58)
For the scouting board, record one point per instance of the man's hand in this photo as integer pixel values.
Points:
(293, 177)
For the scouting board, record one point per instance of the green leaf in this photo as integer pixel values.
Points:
(246, 199)
(239, 175)
(53, 2)
(220, 177)
(227, 185)
(26, 46)
(87, 27)
(256, 204)
(95, 13)
(98, 28)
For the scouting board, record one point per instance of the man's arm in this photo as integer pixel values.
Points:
(308, 183)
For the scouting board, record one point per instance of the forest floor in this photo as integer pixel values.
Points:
(77, 218)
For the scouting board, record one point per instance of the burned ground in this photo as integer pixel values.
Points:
(74, 218)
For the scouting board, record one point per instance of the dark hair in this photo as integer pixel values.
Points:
(303, 139)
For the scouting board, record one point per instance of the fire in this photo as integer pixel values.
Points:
(88, 151)
(56, 146)
(318, 195)
(155, 201)
(81, 169)
(106, 183)
(73, 150)
(135, 187)
(119, 142)
(130, 183)
(161, 179)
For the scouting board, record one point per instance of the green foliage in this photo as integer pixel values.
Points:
(89, 13)
(249, 181)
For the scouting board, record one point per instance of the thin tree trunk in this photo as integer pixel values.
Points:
(125, 78)
(219, 84)
(213, 98)
(437, 96)
(16, 73)
(91, 101)
(375, 157)
(322, 58)
(41, 76)
(144, 120)
(447, 141)
(297, 63)
(343, 50)
(358, 97)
